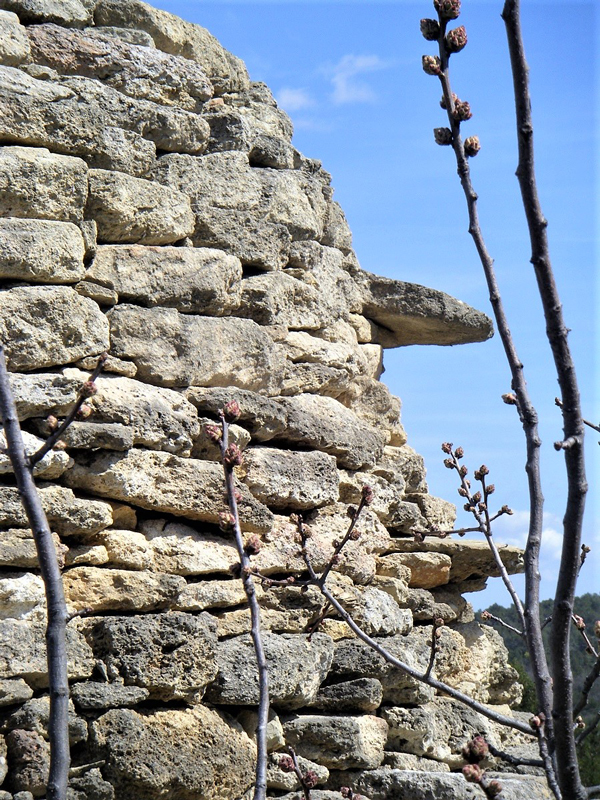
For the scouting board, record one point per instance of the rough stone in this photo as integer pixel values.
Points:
(17, 548)
(259, 106)
(90, 786)
(91, 695)
(163, 482)
(171, 655)
(34, 716)
(278, 778)
(440, 515)
(128, 209)
(296, 665)
(136, 71)
(45, 326)
(23, 652)
(52, 465)
(14, 44)
(409, 761)
(205, 447)
(29, 756)
(183, 753)
(22, 597)
(40, 394)
(172, 349)
(362, 694)
(158, 418)
(13, 691)
(66, 513)
(196, 281)
(41, 251)
(174, 35)
(100, 294)
(130, 35)
(338, 742)
(248, 719)
(286, 479)
(72, 13)
(37, 183)
(94, 436)
(406, 462)
(100, 589)
(427, 570)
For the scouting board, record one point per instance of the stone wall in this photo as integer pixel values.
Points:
(152, 205)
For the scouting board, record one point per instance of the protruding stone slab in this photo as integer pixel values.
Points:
(101, 589)
(411, 314)
(193, 280)
(140, 72)
(52, 465)
(14, 44)
(44, 326)
(37, 183)
(91, 695)
(41, 251)
(427, 570)
(128, 209)
(66, 513)
(173, 349)
(72, 13)
(163, 482)
(362, 694)
(338, 742)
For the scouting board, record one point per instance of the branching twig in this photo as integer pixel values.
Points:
(486, 616)
(588, 683)
(586, 732)
(517, 761)
(58, 733)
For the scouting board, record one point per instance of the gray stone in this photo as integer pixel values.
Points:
(338, 742)
(23, 652)
(172, 349)
(39, 394)
(248, 719)
(229, 130)
(409, 761)
(183, 752)
(96, 436)
(171, 655)
(259, 106)
(406, 462)
(13, 691)
(336, 232)
(66, 513)
(205, 447)
(284, 780)
(41, 251)
(411, 314)
(17, 548)
(296, 665)
(136, 71)
(362, 694)
(272, 151)
(45, 326)
(130, 35)
(160, 419)
(71, 13)
(52, 465)
(285, 479)
(34, 716)
(37, 183)
(175, 36)
(14, 44)
(166, 483)
(265, 417)
(100, 294)
(197, 281)
(394, 784)
(128, 209)
(90, 786)
(29, 756)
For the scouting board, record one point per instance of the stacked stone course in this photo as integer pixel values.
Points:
(152, 205)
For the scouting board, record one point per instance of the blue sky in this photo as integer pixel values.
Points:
(349, 75)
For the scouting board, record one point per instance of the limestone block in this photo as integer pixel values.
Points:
(22, 597)
(170, 655)
(172, 349)
(441, 728)
(140, 72)
(258, 105)
(94, 435)
(342, 360)
(90, 785)
(362, 694)
(86, 554)
(371, 400)
(23, 652)
(272, 151)
(29, 756)
(439, 513)
(395, 587)
(17, 548)
(14, 44)
(100, 294)
(102, 589)
(286, 479)
(395, 784)
(34, 715)
(413, 314)
(409, 761)
(158, 418)
(387, 497)
(66, 513)
(127, 550)
(265, 417)
(90, 695)
(130, 35)
(174, 35)
(71, 13)
(14, 691)
(128, 209)
(37, 183)
(297, 667)
(82, 121)
(213, 594)
(427, 569)
(163, 482)
(40, 394)
(191, 752)
(197, 281)
(276, 298)
(45, 326)
(52, 465)
(229, 129)
(406, 462)
(283, 780)
(443, 602)
(180, 549)
(206, 448)
(41, 251)
(336, 232)
(112, 364)
(248, 719)
(338, 742)
(354, 659)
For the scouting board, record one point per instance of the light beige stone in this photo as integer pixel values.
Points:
(160, 481)
(426, 569)
(22, 597)
(338, 742)
(193, 280)
(284, 780)
(128, 209)
(45, 326)
(37, 183)
(40, 394)
(41, 251)
(202, 595)
(248, 719)
(66, 513)
(17, 548)
(205, 446)
(101, 589)
(172, 349)
(406, 462)
(14, 44)
(183, 550)
(52, 465)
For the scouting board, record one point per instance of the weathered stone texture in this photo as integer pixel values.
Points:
(41, 251)
(14, 44)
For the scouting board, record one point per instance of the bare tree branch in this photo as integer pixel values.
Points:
(58, 732)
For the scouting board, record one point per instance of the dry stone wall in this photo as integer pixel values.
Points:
(152, 205)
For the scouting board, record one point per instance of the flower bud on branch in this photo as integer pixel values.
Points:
(430, 28)
(431, 65)
(456, 39)
(442, 136)
(447, 9)
(231, 411)
(472, 146)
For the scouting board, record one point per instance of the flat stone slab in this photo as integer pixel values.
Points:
(338, 742)
(41, 251)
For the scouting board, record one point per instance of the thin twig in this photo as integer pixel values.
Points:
(515, 760)
(586, 731)
(486, 616)
(588, 683)
(58, 732)
(298, 771)
(435, 635)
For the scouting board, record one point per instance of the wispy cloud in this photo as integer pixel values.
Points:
(347, 85)
(294, 99)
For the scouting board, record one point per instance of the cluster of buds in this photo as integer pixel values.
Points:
(226, 521)
(213, 432)
(438, 624)
(472, 147)
(89, 389)
(432, 65)
(447, 9)
(430, 28)
(51, 423)
(476, 750)
(231, 411)
(252, 545)
(233, 456)
(510, 399)
(480, 473)
(462, 111)
(456, 39)
(442, 136)
(367, 495)
(579, 622)
(536, 722)
(84, 411)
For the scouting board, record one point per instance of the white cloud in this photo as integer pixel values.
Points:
(294, 99)
(347, 87)
(513, 530)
